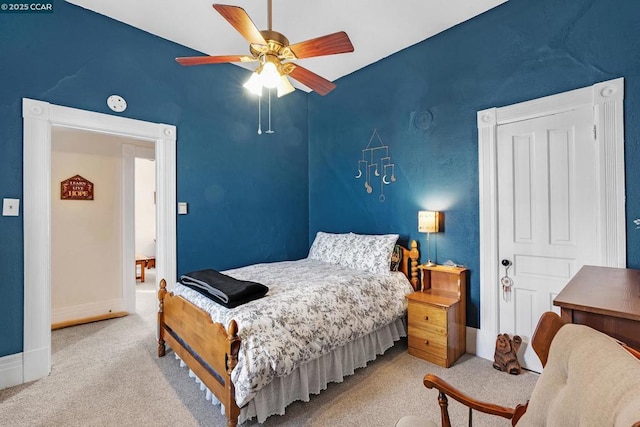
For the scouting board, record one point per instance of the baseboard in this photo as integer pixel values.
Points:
(471, 340)
(11, 370)
(86, 311)
(479, 344)
(84, 320)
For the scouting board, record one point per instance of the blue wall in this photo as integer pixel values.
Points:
(256, 196)
(247, 194)
(518, 51)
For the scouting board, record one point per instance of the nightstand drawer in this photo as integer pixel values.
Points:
(428, 342)
(424, 316)
(430, 357)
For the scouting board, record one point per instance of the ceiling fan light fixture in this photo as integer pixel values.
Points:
(284, 86)
(254, 84)
(270, 76)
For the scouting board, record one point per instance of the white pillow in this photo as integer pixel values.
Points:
(370, 253)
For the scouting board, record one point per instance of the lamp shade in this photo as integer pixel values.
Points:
(428, 222)
(254, 85)
(284, 87)
(269, 76)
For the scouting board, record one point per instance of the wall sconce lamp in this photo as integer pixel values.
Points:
(428, 222)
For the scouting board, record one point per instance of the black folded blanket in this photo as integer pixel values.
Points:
(223, 289)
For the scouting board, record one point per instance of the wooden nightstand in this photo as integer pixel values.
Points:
(437, 315)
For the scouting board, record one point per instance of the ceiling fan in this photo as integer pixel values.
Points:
(273, 51)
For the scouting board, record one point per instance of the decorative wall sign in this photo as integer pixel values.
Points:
(376, 161)
(76, 188)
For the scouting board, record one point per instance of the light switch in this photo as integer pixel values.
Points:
(182, 208)
(10, 207)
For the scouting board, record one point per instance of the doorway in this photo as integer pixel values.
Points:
(145, 212)
(39, 119)
(88, 236)
(145, 231)
(605, 100)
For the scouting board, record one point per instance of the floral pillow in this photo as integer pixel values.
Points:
(329, 247)
(370, 253)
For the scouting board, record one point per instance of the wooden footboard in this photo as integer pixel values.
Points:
(209, 350)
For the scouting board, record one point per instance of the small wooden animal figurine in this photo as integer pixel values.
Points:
(506, 355)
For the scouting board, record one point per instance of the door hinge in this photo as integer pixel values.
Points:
(595, 133)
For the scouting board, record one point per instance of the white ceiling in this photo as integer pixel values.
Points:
(376, 28)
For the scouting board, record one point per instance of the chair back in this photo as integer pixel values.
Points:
(589, 379)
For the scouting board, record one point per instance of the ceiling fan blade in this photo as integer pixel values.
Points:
(200, 60)
(238, 18)
(326, 45)
(310, 79)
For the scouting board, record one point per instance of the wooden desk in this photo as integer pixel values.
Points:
(606, 299)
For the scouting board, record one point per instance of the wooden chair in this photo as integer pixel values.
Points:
(548, 326)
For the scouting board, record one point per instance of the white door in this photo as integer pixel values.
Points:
(547, 215)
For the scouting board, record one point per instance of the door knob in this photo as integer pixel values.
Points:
(506, 281)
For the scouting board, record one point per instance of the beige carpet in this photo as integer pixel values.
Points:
(107, 374)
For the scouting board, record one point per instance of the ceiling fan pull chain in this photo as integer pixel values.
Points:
(269, 131)
(259, 117)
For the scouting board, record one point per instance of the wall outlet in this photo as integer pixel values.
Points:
(10, 207)
(182, 208)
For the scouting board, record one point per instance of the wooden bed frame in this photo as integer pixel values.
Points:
(210, 350)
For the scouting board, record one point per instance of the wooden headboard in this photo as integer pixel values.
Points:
(409, 263)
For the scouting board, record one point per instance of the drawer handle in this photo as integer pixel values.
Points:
(426, 342)
(426, 317)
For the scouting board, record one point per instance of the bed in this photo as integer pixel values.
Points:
(234, 352)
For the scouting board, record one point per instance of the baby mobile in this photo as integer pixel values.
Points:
(375, 162)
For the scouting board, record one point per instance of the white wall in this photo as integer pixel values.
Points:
(145, 188)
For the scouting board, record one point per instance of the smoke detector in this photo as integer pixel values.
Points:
(117, 103)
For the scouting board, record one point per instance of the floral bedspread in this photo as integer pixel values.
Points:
(311, 309)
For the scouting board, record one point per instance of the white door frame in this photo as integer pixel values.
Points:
(606, 98)
(39, 117)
